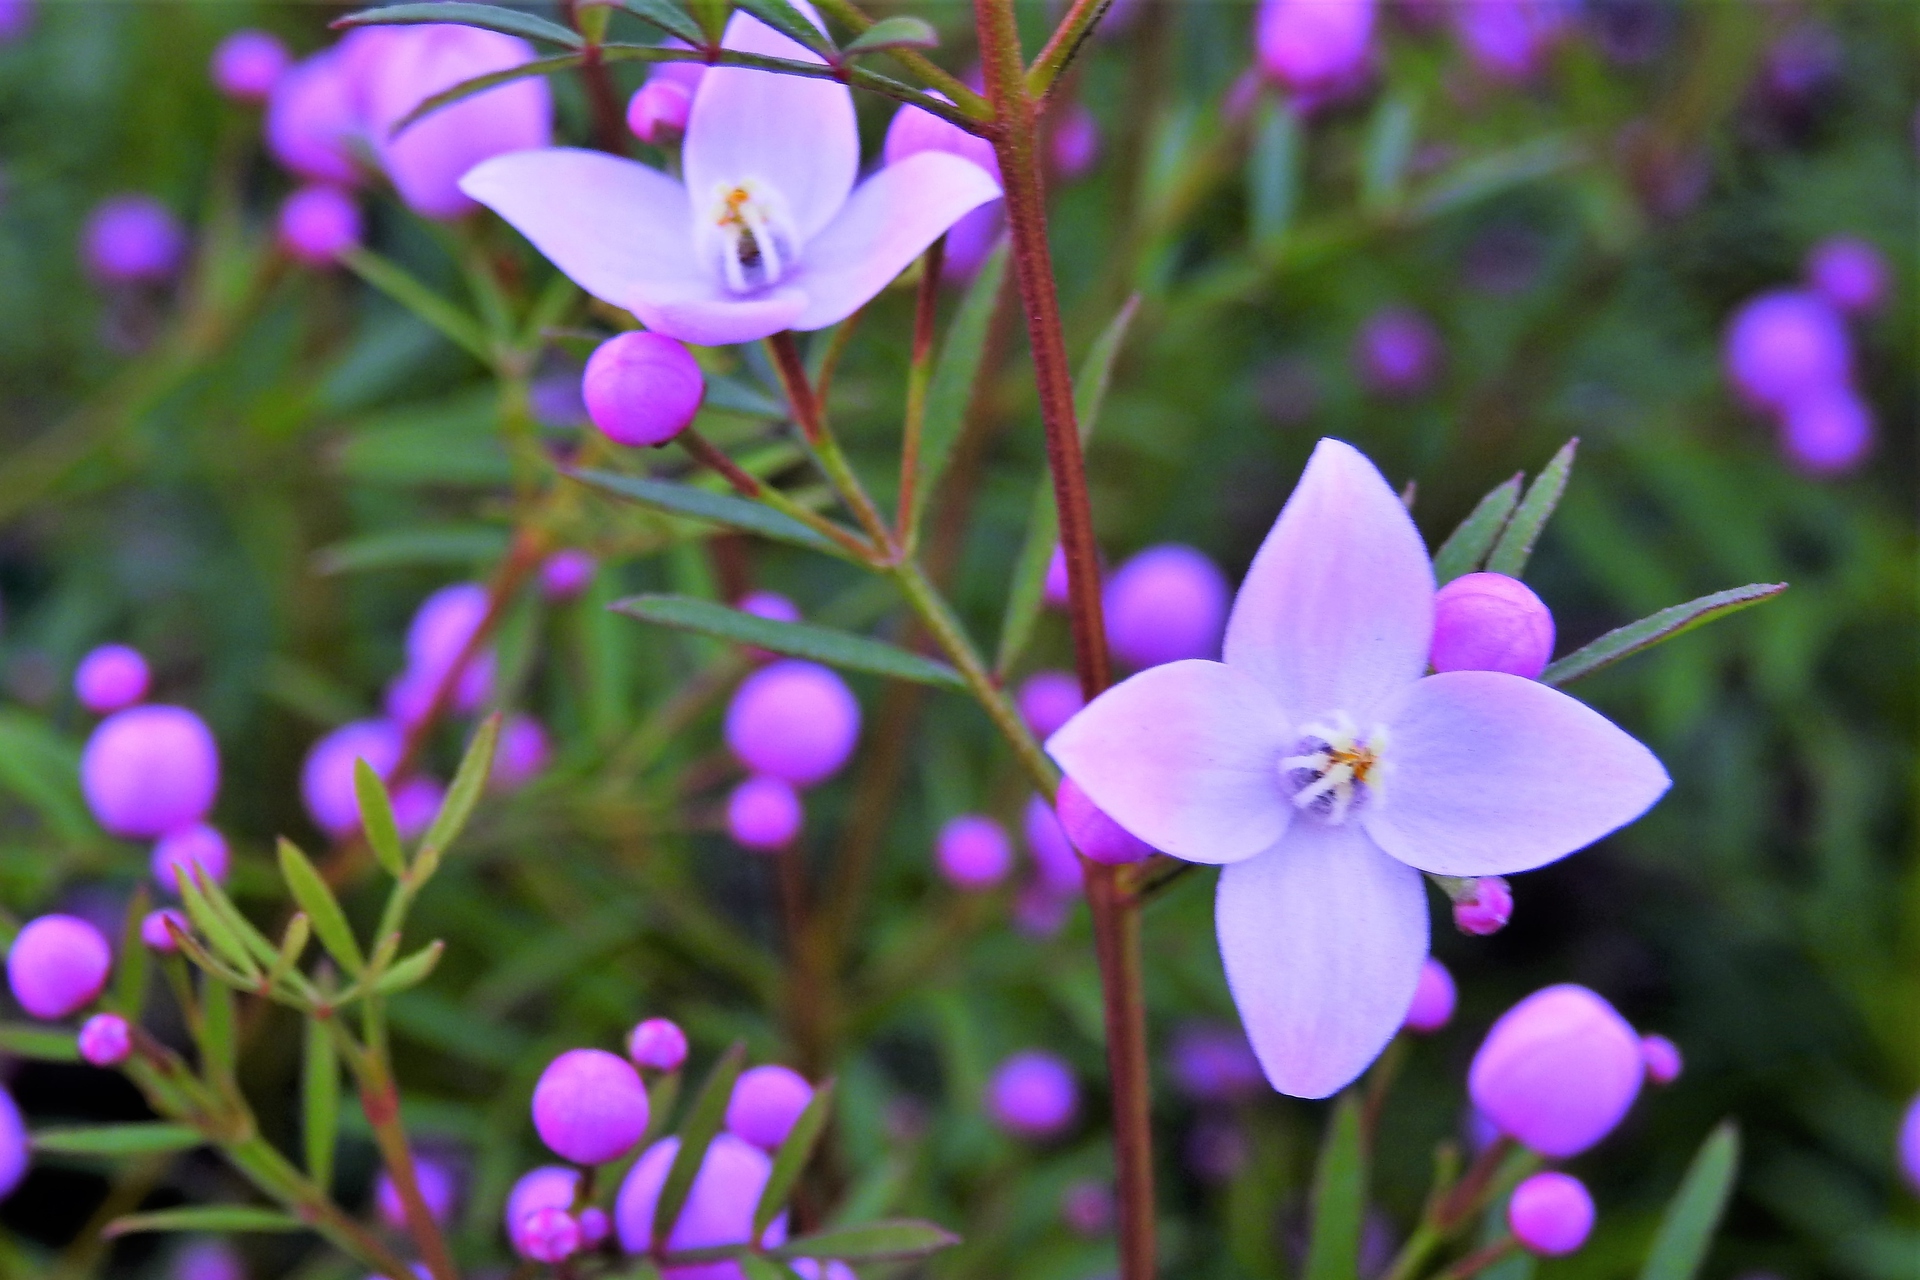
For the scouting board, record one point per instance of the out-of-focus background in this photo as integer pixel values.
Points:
(255, 471)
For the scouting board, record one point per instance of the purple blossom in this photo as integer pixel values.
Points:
(1434, 997)
(1167, 603)
(317, 224)
(658, 1044)
(657, 112)
(1312, 47)
(1490, 622)
(1033, 1095)
(972, 238)
(764, 814)
(109, 678)
(1048, 699)
(590, 1106)
(1551, 1214)
(1662, 1059)
(1487, 909)
(1784, 345)
(796, 721)
(312, 123)
(57, 965)
(105, 1040)
(247, 64)
(1849, 273)
(149, 770)
(1320, 766)
(719, 1208)
(768, 232)
(1558, 1071)
(550, 1235)
(132, 239)
(1828, 430)
(566, 573)
(642, 389)
(550, 1186)
(766, 1104)
(973, 852)
(196, 849)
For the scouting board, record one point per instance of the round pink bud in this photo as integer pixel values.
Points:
(110, 678)
(211, 1259)
(772, 606)
(1827, 431)
(590, 1106)
(1558, 1071)
(793, 720)
(317, 224)
(57, 965)
(658, 1044)
(764, 814)
(657, 112)
(154, 931)
(106, 1040)
(1433, 999)
(766, 1104)
(973, 852)
(180, 853)
(550, 1186)
(132, 239)
(1783, 345)
(1488, 910)
(1490, 622)
(642, 389)
(1509, 39)
(1087, 1207)
(1048, 699)
(437, 1187)
(595, 1226)
(1662, 1058)
(1167, 603)
(15, 1149)
(1092, 832)
(1054, 591)
(442, 628)
(566, 573)
(913, 130)
(718, 1209)
(149, 770)
(1312, 46)
(16, 16)
(1033, 1095)
(550, 1235)
(1076, 142)
(247, 64)
(326, 779)
(1053, 857)
(312, 120)
(523, 754)
(1550, 1214)
(1397, 352)
(1849, 273)
(1909, 1144)
(416, 803)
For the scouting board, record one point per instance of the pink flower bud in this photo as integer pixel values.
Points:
(566, 573)
(1828, 430)
(718, 1210)
(132, 239)
(642, 389)
(550, 1235)
(1509, 39)
(764, 814)
(1054, 860)
(1909, 1155)
(1033, 1095)
(1076, 142)
(548, 1187)
(149, 770)
(1488, 910)
(1433, 999)
(1490, 622)
(1039, 910)
(106, 1040)
(247, 64)
(1047, 700)
(1054, 592)
(326, 779)
(1312, 46)
(1558, 1071)
(772, 606)
(155, 934)
(1092, 832)
(658, 1044)
(317, 224)
(657, 112)
(437, 1187)
(110, 678)
(1213, 1062)
(312, 122)
(1550, 1214)
(180, 853)
(595, 1226)
(793, 720)
(524, 752)
(57, 965)
(1397, 352)
(416, 803)
(766, 1103)
(973, 852)
(15, 1150)
(1849, 273)
(442, 627)
(1087, 1207)
(15, 17)
(589, 1106)
(1784, 345)
(1662, 1059)
(1167, 603)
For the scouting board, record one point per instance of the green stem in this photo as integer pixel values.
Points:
(400, 285)
(919, 378)
(747, 485)
(1074, 30)
(381, 1101)
(811, 415)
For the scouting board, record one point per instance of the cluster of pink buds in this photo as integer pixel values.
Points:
(792, 725)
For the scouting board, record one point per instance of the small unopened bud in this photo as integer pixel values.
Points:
(133, 239)
(1433, 999)
(1662, 1057)
(110, 678)
(1827, 431)
(566, 573)
(247, 64)
(764, 814)
(1551, 1214)
(658, 1044)
(317, 224)
(589, 1106)
(550, 1235)
(793, 720)
(1092, 832)
(196, 850)
(642, 389)
(1490, 622)
(657, 112)
(1076, 143)
(1910, 1144)
(1397, 352)
(106, 1040)
(1849, 273)
(57, 965)
(1558, 1071)
(766, 1104)
(973, 852)
(1033, 1095)
(1488, 910)
(155, 933)
(1047, 700)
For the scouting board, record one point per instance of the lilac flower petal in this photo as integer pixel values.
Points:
(793, 134)
(1185, 756)
(888, 223)
(1492, 774)
(1336, 613)
(717, 321)
(1322, 937)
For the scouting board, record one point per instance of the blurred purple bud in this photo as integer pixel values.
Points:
(1054, 593)
(1311, 46)
(718, 1210)
(1433, 999)
(566, 573)
(109, 678)
(972, 240)
(973, 852)
(1087, 1207)
(1783, 345)
(793, 720)
(642, 389)
(155, 934)
(595, 1226)
(15, 17)
(1510, 39)
(437, 1187)
(15, 1150)
(180, 853)
(149, 770)
(1216, 1149)
(770, 605)
(416, 802)
(1212, 1062)
(1075, 143)
(1033, 1095)
(1662, 1059)
(1550, 1214)
(1048, 699)
(524, 752)
(326, 779)
(547, 1187)
(208, 1260)
(1092, 832)
(317, 224)
(811, 1269)
(1849, 273)
(766, 1103)
(57, 965)
(1039, 910)
(1490, 622)
(657, 112)
(247, 64)
(550, 1235)
(312, 123)
(1558, 1071)
(1827, 431)
(658, 1044)
(1488, 910)
(589, 1106)
(1167, 603)
(442, 627)
(1802, 62)
(106, 1040)
(1053, 856)
(132, 239)
(764, 814)
(1909, 1145)
(1397, 352)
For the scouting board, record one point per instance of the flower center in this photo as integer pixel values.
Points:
(1334, 770)
(748, 235)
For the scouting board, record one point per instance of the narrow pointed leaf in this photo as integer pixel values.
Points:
(410, 972)
(494, 18)
(468, 782)
(458, 545)
(39, 1043)
(118, 1139)
(1339, 1197)
(130, 983)
(1480, 177)
(791, 1160)
(1637, 637)
(784, 18)
(716, 508)
(730, 395)
(1465, 549)
(1687, 1227)
(955, 371)
(666, 17)
(320, 1102)
(712, 16)
(480, 84)
(329, 922)
(801, 639)
(205, 1218)
(225, 942)
(293, 945)
(1096, 371)
(898, 32)
(257, 943)
(1515, 547)
(898, 1239)
(217, 1027)
(662, 1096)
(397, 283)
(1391, 135)
(1273, 176)
(703, 1122)
(377, 821)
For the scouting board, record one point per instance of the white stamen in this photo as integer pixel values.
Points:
(1335, 769)
(748, 235)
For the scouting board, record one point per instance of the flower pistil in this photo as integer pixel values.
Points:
(1334, 770)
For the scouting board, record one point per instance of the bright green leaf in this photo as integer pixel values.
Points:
(205, 1218)
(320, 1102)
(322, 908)
(716, 508)
(1339, 1196)
(1637, 637)
(404, 288)
(476, 766)
(1515, 547)
(218, 1038)
(410, 972)
(897, 32)
(802, 640)
(512, 22)
(791, 1159)
(1687, 1227)
(377, 820)
(118, 1139)
(39, 1043)
(1465, 549)
(1273, 174)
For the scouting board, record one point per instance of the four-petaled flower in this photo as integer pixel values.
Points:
(769, 231)
(1326, 771)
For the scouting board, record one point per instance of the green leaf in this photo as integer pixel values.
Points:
(214, 929)
(1273, 175)
(791, 1160)
(1687, 1227)
(377, 821)
(1511, 552)
(1465, 549)
(667, 18)
(955, 371)
(39, 1043)
(204, 1218)
(698, 504)
(801, 639)
(468, 782)
(1339, 1196)
(756, 1267)
(898, 32)
(460, 545)
(118, 1139)
(1480, 177)
(712, 16)
(492, 17)
(263, 951)
(1391, 136)
(410, 972)
(730, 395)
(900, 1238)
(399, 284)
(788, 20)
(703, 1122)
(1096, 371)
(322, 908)
(130, 983)
(217, 1037)
(480, 84)
(320, 1102)
(1637, 637)
(42, 769)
